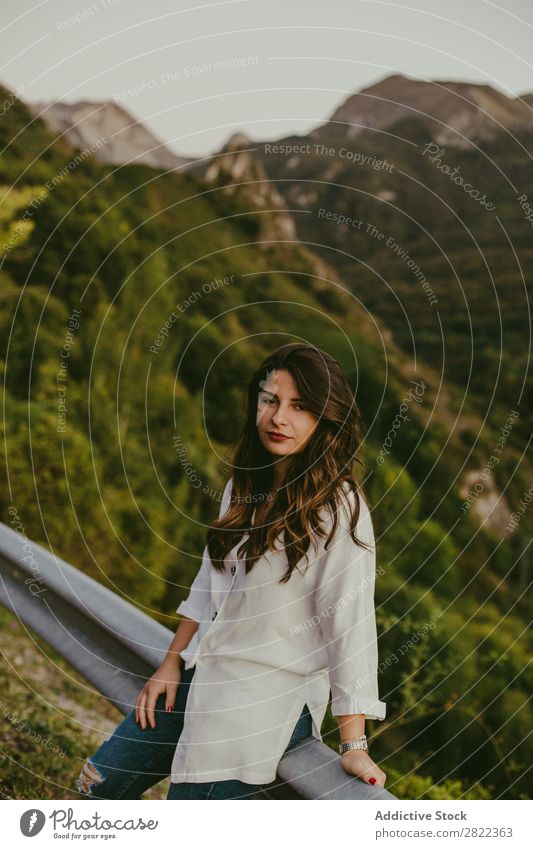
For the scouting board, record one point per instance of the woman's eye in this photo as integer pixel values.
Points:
(273, 401)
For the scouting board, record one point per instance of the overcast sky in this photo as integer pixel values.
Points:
(197, 72)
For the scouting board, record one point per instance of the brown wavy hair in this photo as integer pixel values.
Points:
(315, 476)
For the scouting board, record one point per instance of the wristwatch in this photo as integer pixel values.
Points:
(356, 743)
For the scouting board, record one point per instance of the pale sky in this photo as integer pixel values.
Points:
(196, 72)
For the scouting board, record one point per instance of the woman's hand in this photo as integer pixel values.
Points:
(359, 763)
(166, 679)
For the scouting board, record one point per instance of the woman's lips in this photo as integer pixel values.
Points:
(277, 437)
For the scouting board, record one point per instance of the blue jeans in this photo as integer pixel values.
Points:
(133, 760)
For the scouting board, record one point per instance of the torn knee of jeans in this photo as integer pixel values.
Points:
(88, 778)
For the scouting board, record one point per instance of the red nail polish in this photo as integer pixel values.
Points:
(371, 780)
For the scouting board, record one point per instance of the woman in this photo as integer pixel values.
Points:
(280, 612)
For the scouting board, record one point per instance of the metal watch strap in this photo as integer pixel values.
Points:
(356, 743)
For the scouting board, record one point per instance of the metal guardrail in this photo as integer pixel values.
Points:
(116, 647)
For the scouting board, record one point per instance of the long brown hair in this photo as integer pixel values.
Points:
(314, 477)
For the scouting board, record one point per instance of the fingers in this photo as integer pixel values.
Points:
(147, 698)
(374, 775)
(139, 708)
(150, 707)
(149, 713)
(377, 779)
(170, 701)
(144, 707)
(361, 765)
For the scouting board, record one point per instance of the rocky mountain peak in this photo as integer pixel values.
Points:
(237, 170)
(119, 137)
(457, 114)
(238, 140)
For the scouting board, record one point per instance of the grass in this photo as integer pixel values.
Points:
(51, 719)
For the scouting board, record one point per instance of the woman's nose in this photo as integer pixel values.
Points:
(279, 416)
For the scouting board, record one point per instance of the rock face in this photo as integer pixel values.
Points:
(236, 170)
(89, 123)
(456, 114)
(485, 500)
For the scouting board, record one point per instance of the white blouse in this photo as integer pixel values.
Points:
(263, 650)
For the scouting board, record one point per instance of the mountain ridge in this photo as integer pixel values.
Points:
(456, 114)
(128, 141)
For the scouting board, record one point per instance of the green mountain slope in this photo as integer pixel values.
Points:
(449, 276)
(118, 420)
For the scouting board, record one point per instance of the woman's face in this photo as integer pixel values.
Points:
(280, 410)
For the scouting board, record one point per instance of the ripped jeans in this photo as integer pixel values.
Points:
(132, 760)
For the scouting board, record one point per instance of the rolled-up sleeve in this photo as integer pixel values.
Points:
(346, 613)
(194, 605)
